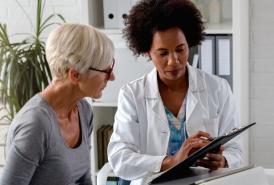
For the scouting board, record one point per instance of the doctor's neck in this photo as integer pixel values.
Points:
(174, 85)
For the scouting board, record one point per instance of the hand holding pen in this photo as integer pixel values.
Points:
(213, 160)
(191, 144)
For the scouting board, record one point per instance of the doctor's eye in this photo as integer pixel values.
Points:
(165, 53)
(179, 50)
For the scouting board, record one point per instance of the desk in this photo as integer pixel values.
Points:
(243, 176)
(270, 176)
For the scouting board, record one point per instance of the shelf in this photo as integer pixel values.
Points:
(223, 28)
(111, 31)
(103, 104)
(97, 103)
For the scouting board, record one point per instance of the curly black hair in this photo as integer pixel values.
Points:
(149, 16)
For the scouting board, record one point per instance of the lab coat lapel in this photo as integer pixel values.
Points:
(196, 86)
(191, 104)
(158, 124)
(158, 110)
(154, 100)
(193, 89)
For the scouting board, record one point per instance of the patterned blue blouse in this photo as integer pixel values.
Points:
(177, 127)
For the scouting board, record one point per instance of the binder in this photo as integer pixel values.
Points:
(123, 10)
(193, 57)
(195, 60)
(116, 12)
(105, 143)
(224, 58)
(216, 56)
(110, 14)
(207, 55)
(100, 147)
(179, 170)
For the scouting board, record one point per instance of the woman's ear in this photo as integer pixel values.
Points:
(147, 54)
(73, 75)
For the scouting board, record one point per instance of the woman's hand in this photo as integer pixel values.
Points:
(213, 161)
(190, 145)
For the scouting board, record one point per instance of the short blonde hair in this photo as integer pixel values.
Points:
(79, 47)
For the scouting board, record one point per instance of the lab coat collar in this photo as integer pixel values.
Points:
(196, 83)
(151, 85)
(153, 98)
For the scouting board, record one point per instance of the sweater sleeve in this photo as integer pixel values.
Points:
(28, 139)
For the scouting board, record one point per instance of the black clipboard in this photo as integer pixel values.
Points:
(178, 170)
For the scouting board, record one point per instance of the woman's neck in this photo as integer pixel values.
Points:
(62, 97)
(174, 85)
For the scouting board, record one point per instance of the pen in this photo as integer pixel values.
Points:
(208, 138)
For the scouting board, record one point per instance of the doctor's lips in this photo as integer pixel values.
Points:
(173, 72)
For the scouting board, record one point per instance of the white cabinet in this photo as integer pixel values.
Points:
(233, 20)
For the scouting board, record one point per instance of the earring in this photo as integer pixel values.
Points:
(149, 59)
(148, 55)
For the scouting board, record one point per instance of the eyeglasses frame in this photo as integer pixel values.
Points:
(107, 71)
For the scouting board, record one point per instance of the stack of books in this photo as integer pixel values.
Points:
(103, 136)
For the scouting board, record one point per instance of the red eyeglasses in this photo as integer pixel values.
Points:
(107, 71)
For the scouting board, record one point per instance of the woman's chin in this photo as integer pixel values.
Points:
(97, 96)
(173, 77)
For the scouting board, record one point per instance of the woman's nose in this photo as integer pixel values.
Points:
(111, 77)
(173, 59)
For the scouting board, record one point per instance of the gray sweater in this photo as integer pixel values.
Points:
(37, 153)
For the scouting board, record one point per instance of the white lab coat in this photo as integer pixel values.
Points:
(139, 142)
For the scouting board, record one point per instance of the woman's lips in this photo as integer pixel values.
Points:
(173, 72)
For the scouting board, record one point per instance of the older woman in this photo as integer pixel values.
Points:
(48, 142)
(175, 109)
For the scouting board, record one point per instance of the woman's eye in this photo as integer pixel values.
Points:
(164, 53)
(179, 50)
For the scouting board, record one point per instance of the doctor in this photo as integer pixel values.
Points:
(167, 114)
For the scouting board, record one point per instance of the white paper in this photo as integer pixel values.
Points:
(206, 56)
(224, 57)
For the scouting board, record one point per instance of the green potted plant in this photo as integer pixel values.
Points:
(24, 70)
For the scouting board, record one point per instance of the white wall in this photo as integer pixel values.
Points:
(17, 22)
(262, 81)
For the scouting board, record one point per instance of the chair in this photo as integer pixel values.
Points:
(103, 174)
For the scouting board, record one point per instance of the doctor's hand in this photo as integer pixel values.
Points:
(213, 161)
(192, 144)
